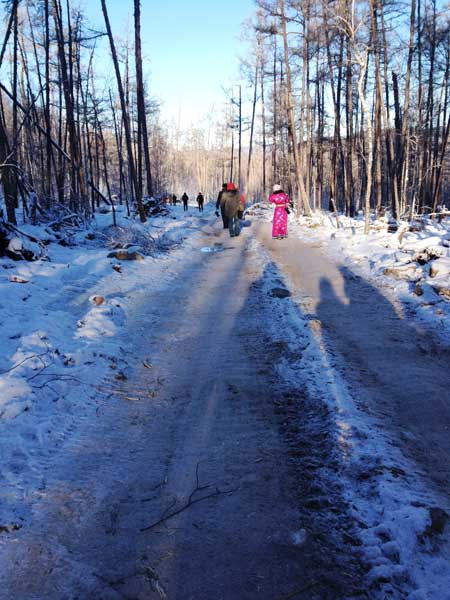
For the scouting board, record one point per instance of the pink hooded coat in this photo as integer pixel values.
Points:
(280, 216)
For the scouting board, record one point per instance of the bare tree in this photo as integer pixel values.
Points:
(125, 117)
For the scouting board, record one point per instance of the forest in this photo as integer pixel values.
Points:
(250, 401)
(345, 103)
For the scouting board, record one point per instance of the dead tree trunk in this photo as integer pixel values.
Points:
(252, 124)
(264, 142)
(125, 117)
(363, 61)
(78, 178)
(140, 96)
(303, 200)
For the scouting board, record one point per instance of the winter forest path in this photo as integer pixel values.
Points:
(201, 414)
(398, 371)
(205, 426)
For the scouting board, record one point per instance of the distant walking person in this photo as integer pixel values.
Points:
(174, 199)
(185, 199)
(232, 204)
(220, 205)
(280, 215)
(200, 202)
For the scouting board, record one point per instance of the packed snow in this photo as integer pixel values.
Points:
(402, 526)
(410, 266)
(61, 316)
(59, 333)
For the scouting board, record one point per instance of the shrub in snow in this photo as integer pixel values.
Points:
(133, 238)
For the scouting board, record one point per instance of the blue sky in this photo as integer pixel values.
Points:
(190, 48)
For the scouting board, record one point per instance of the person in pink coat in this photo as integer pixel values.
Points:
(280, 215)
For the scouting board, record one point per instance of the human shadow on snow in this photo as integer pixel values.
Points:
(398, 371)
(127, 481)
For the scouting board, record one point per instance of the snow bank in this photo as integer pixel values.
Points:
(401, 265)
(405, 547)
(60, 348)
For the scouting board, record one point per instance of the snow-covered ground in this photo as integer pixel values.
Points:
(410, 266)
(401, 520)
(60, 319)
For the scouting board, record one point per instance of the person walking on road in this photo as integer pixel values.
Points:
(200, 202)
(185, 199)
(280, 215)
(219, 205)
(232, 204)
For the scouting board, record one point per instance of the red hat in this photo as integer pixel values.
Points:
(230, 187)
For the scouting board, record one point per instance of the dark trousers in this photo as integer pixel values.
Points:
(200, 206)
(224, 219)
(185, 206)
(234, 226)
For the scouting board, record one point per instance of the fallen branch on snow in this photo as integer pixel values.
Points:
(24, 361)
(190, 502)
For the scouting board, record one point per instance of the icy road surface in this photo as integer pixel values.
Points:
(261, 446)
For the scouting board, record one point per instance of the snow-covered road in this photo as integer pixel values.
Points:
(399, 370)
(302, 440)
(199, 414)
(385, 376)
